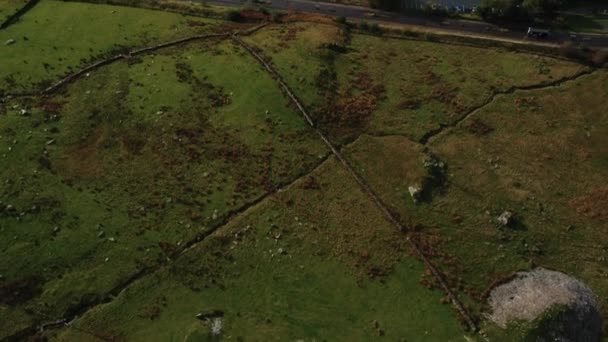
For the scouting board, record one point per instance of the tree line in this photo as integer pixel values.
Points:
(493, 10)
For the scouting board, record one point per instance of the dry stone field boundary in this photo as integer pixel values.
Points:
(15, 17)
(365, 187)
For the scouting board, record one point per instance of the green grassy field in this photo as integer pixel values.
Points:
(539, 153)
(120, 170)
(55, 38)
(293, 267)
(392, 86)
(147, 155)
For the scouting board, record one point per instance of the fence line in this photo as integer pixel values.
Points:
(13, 18)
(71, 77)
(365, 187)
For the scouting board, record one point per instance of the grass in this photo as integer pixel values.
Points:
(318, 288)
(148, 169)
(594, 23)
(541, 155)
(57, 37)
(429, 84)
(299, 52)
(356, 83)
(123, 167)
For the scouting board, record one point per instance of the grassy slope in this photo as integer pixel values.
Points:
(404, 87)
(428, 84)
(56, 37)
(297, 51)
(551, 172)
(319, 288)
(546, 159)
(140, 163)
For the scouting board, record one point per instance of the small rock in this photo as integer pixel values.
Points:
(506, 218)
(107, 259)
(101, 234)
(112, 239)
(415, 191)
(10, 42)
(50, 142)
(56, 229)
(282, 251)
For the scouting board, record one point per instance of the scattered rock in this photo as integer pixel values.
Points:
(112, 239)
(10, 42)
(216, 326)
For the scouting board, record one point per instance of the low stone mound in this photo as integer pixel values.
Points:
(565, 308)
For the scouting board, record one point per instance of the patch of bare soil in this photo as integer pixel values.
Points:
(594, 205)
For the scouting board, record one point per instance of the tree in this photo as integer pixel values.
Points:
(543, 8)
(501, 10)
(388, 5)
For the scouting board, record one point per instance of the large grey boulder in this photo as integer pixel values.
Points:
(563, 308)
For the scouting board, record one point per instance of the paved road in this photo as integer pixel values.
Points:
(364, 13)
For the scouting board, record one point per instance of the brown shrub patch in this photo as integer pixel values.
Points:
(443, 93)
(20, 290)
(82, 160)
(194, 23)
(251, 15)
(50, 106)
(479, 127)
(594, 205)
(308, 17)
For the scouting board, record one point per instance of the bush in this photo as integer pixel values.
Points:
(341, 20)
(275, 16)
(375, 28)
(234, 15)
(364, 25)
(599, 58)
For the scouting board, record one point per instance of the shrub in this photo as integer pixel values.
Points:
(599, 58)
(234, 15)
(275, 16)
(375, 28)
